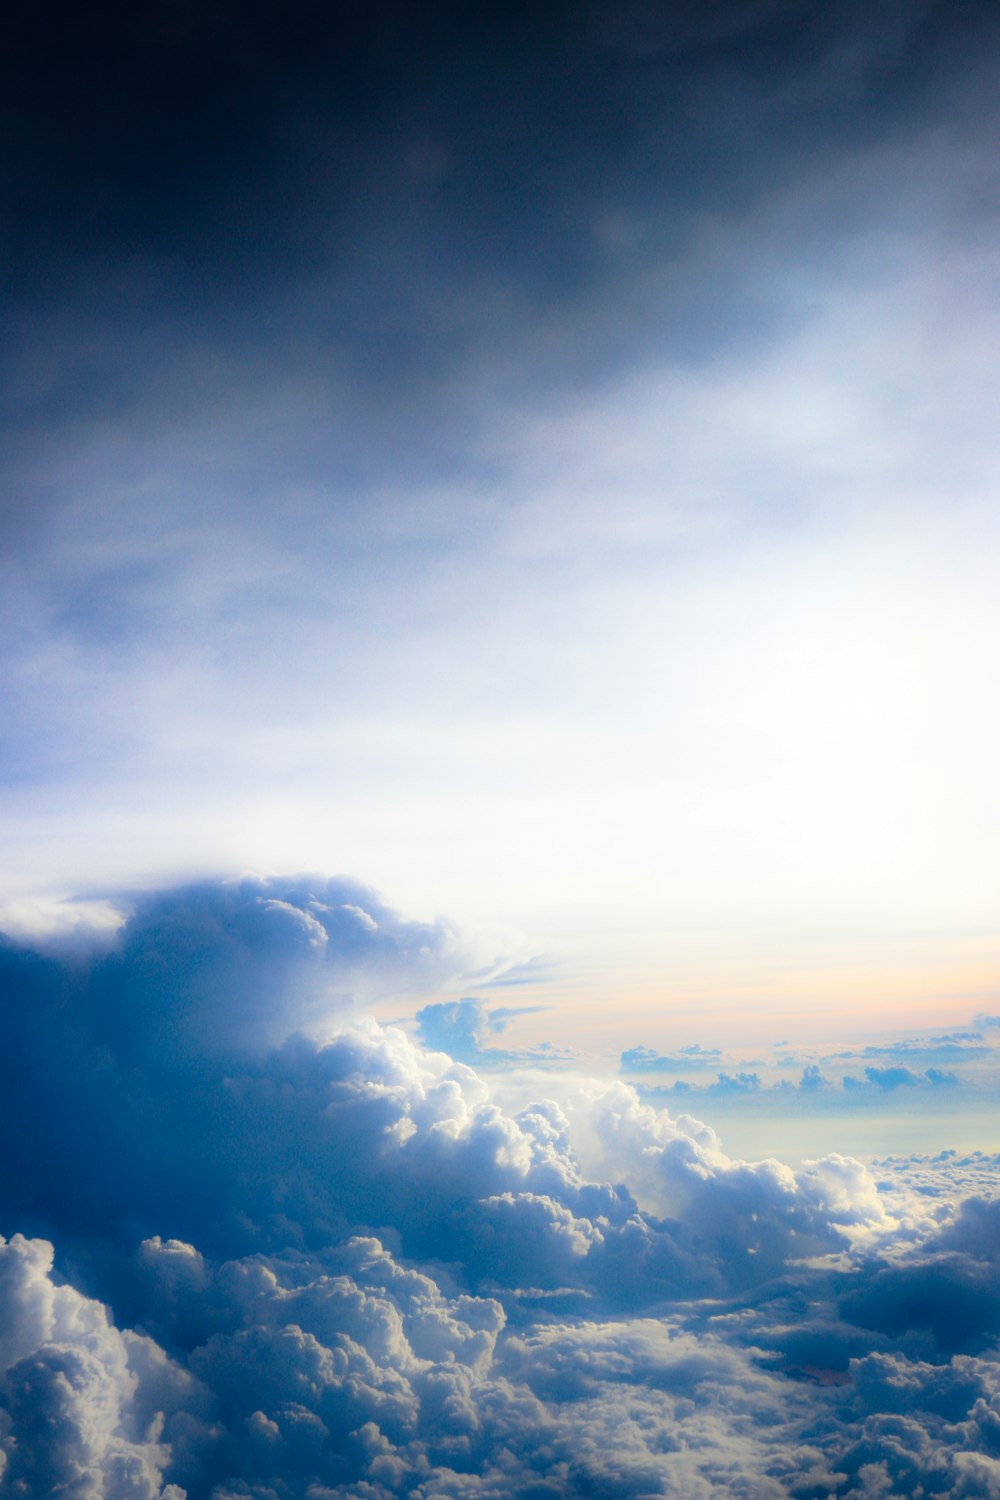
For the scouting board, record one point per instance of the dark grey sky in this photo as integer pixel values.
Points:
(387, 190)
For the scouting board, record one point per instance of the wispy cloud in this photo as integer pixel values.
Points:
(648, 1060)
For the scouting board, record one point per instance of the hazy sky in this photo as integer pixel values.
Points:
(539, 461)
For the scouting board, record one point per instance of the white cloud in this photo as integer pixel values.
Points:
(72, 1390)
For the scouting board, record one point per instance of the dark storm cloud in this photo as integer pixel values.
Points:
(339, 1268)
(293, 296)
(202, 200)
(129, 126)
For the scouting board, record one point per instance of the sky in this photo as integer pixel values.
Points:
(499, 554)
(540, 463)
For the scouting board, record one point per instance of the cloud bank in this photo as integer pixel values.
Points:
(332, 1266)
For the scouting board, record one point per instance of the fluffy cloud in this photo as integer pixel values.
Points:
(351, 1273)
(84, 1405)
(239, 965)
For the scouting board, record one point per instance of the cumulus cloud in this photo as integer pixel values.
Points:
(333, 1265)
(886, 1079)
(85, 1406)
(812, 1079)
(241, 964)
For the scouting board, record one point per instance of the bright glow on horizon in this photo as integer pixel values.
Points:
(789, 746)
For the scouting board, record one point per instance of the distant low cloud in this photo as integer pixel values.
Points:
(888, 1078)
(731, 1084)
(959, 1047)
(812, 1087)
(648, 1060)
(812, 1079)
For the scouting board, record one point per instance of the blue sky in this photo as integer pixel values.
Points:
(499, 554)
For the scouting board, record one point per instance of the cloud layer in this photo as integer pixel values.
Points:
(332, 1265)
